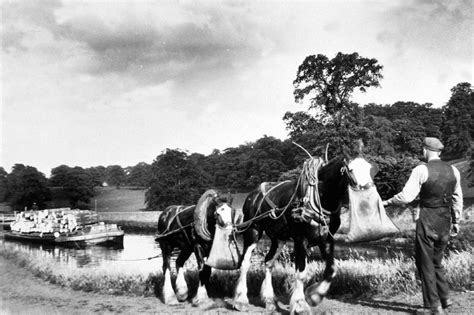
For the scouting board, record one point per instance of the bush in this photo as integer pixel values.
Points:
(393, 173)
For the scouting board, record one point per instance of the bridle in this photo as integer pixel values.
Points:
(353, 184)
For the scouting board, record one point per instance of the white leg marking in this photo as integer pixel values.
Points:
(298, 290)
(240, 295)
(168, 294)
(298, 304)
(181, 286)
(201, 294)
(266, 292)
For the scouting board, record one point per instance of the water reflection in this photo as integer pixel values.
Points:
(138, 248)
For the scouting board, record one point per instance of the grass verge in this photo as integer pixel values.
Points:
(358, 277)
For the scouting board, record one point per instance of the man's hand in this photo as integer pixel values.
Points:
(455, 229)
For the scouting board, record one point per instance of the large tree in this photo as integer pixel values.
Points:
(26, 185)
(176, 179)
(329, 83)
(77, 183)
(458, 126)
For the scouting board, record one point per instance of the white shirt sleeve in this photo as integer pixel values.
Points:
(418, 177)
(456, 209)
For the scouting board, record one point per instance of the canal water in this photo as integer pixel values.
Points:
(141, 253)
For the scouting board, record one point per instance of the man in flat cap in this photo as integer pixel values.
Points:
(439, 186)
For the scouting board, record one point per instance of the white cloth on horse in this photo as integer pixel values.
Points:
(368, 219)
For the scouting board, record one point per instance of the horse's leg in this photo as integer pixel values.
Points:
(181, 286)
(168, 293)
(201, 299)
(298, 304)
(316, 292)
(241, 301)
(266, 292)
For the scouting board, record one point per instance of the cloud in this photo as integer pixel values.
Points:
(436, 27)
(156, 42)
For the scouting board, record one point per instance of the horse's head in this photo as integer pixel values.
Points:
(211, 208)
(359, 172)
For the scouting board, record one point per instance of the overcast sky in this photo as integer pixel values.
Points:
(87, 83)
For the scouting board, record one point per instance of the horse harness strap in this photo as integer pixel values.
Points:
(182, 228)
(167, 231)
(270, 202)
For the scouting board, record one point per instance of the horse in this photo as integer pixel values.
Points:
(189, 229)
(306, 211)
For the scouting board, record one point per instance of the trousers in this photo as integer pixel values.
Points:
(432, 236)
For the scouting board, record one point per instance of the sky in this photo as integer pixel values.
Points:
(88, 83)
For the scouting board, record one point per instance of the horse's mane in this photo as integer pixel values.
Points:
(200, 214)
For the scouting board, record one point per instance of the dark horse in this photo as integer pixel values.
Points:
(190, 229)
(307, 211)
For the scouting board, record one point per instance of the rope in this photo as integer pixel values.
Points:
(162, 235)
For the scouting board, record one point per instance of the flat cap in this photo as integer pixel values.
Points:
(433, 144)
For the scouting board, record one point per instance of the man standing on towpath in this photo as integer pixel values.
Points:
(439, 186)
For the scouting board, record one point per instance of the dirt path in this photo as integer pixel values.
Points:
(23, 293)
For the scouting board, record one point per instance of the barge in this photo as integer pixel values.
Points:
(64, 227)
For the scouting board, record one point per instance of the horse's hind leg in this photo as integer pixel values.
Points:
(167, 293)
(267, 294)
(181, 286)
(315, 293)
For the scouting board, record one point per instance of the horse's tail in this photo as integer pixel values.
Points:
(200, 214)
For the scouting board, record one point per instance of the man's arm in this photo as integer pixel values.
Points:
(412, 187)
(457, 207)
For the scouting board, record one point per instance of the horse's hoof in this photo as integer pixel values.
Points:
(182, 296)
(270, 306)
(204, 304)
(313, 297)
(170, 300)
(300, 307)
(241, 306)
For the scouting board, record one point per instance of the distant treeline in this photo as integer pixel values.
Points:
(392, 135)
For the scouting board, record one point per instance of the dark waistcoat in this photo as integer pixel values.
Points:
(439, 188)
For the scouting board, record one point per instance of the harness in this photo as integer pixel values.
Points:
(181, 227)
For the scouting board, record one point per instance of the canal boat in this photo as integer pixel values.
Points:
(65, 227)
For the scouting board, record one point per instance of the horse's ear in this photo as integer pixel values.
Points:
(360, 146)
(326, 154)
(373, 170)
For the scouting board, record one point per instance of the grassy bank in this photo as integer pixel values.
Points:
(358, 277)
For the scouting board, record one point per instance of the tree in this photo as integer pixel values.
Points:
(97, 174)
(77, 183)
(25, 186)
(176, 179)
(59, 176)
(458, 125)
(115, 175)
(330, 83)
(139, 175)
(3, 184)
(78, 186)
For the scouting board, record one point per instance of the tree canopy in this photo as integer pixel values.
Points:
(25, 186)
(176, 179)
(329, 83)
